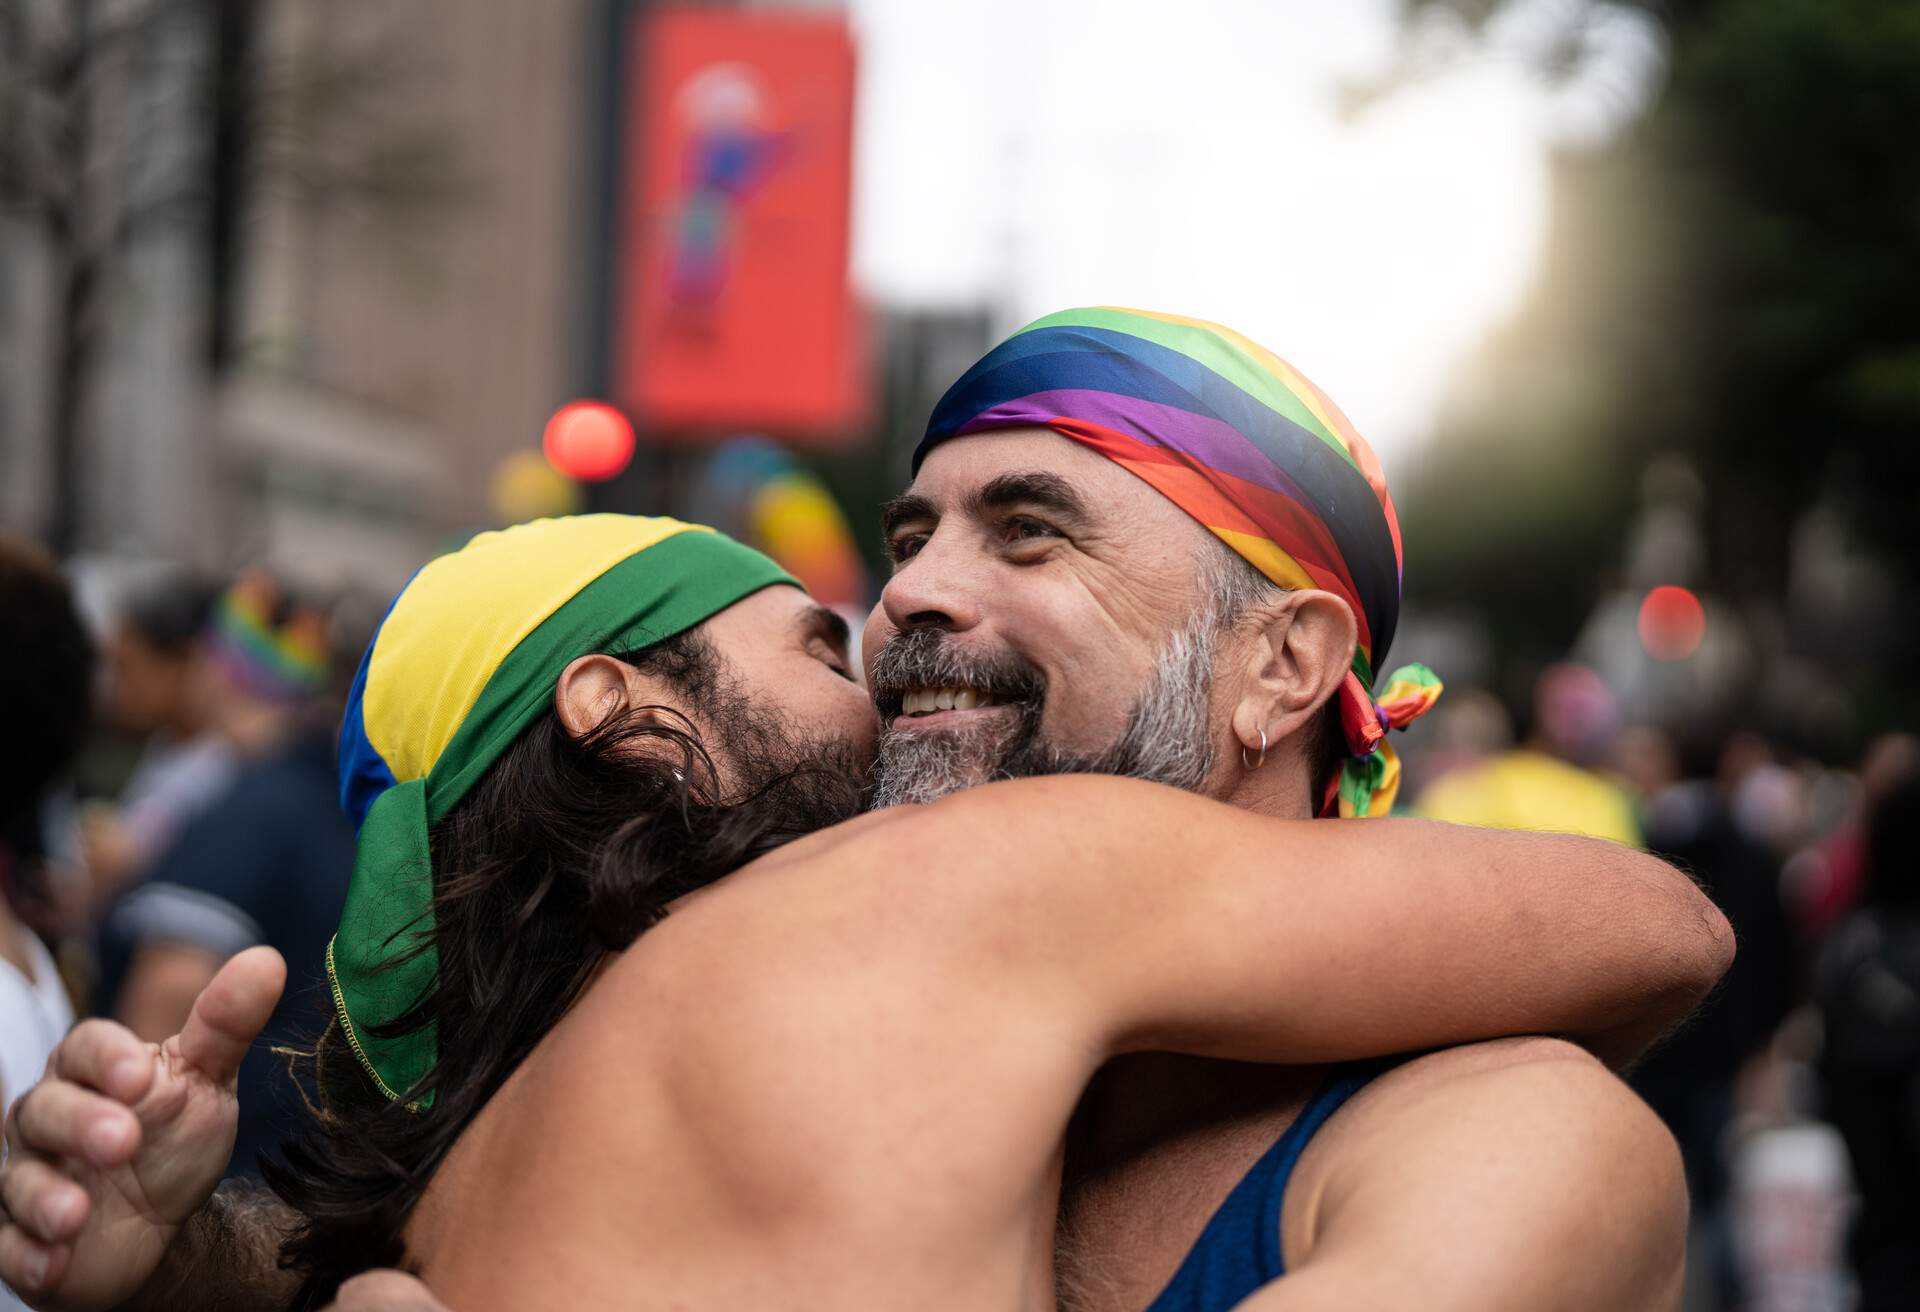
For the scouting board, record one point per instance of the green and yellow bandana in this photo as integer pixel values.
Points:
(464, 663)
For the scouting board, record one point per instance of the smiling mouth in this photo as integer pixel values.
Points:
(956, 706)
(921, 679)
(917, 703)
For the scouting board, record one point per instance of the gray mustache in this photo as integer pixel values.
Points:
(930, 658)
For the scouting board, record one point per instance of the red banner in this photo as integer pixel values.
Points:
(735, 309)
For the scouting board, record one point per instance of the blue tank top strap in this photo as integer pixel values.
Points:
(1239, 1251)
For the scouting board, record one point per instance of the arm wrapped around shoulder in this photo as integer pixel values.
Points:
(1182, 924)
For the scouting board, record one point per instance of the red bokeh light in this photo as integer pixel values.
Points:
(588, 440)
(1672, 622)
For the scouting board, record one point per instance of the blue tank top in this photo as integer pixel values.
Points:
(1239, 1251)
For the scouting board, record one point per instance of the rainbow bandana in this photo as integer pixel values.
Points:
(464, 662)
(1239, 439)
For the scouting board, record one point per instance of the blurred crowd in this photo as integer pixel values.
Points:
(167, 798)
(1795, 1091)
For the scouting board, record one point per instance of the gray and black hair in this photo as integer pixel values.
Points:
(1233, 586)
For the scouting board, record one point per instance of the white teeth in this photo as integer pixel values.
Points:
(925, 701)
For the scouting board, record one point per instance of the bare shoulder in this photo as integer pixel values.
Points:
(1516, 1173)
(1549, 1084)
(1533, 1107)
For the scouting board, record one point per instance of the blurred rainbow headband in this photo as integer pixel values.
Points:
(1240, 440)
(464, 663)
(273, 647)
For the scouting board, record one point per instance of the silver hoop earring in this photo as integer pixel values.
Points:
(1255, 765)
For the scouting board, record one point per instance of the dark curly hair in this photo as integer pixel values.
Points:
(564, 853)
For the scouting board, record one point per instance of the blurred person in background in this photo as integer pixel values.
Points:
(1768, 797)
(1692, 1079)
(1468, 728)
(1646, 761)
(159, 690)
(265, 862)
(1832, 874)
(1547, 784)
(1868, 993)
(46, 683)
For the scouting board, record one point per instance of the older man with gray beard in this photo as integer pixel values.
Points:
(1142, 545)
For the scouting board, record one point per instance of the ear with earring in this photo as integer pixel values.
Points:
(1255, 765)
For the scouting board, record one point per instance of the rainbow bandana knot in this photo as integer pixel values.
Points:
(464, 663)
(1240, 440)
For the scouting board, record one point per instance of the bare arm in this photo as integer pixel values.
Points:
(1190, 926)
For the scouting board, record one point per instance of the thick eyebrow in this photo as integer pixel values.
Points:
(1041, 490)
(821, 622)
(904, 509)
(1036, 488)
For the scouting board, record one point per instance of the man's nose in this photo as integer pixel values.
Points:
(939, 587)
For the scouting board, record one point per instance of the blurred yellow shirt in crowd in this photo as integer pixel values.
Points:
(1531, 790)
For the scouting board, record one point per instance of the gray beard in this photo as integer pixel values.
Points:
(1167, 738)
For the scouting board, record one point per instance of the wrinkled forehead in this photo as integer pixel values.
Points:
(986, 471)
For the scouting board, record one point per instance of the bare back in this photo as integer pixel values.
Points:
(759, 1105)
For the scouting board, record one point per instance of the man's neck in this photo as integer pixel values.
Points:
(1159, 1139)
(1273, 791)
(1151, 1098)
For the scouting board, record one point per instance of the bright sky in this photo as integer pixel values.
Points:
(1037, 154)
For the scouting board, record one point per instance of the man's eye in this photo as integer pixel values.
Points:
(830, 656)
(1022, 529)
(906, 546)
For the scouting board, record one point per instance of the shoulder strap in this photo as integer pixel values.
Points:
(1239, 1250)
